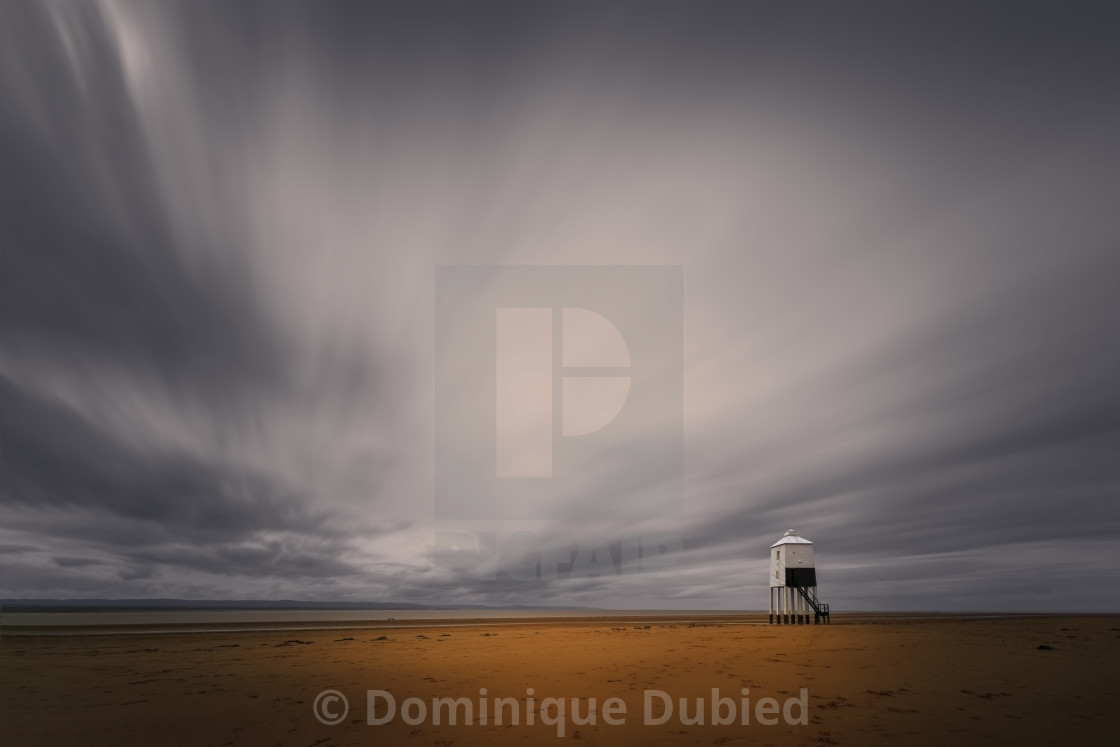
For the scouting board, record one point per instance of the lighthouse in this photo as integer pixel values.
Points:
(793, 582)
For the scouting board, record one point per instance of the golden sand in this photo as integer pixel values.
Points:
(896, 682)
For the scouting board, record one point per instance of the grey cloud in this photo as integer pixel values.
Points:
(219, 225)
(54, 458)
(251, 560)
(65, 562)
(92, 274)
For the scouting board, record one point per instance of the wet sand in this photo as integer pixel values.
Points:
(866, 680)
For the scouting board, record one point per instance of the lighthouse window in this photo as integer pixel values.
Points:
(779, 554)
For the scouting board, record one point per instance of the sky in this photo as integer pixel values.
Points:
(224, 368)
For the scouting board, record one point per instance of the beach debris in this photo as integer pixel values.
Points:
(381, 638)
(837, 702)
(1044, 647)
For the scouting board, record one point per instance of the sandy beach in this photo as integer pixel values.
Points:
(860, 681)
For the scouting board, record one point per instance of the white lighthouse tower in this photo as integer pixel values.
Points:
(793, 582)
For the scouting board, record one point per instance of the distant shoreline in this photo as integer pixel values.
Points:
(256, 621)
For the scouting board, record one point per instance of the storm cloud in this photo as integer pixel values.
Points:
(220, 225)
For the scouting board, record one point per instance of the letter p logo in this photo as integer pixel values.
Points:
(526, 383)
(557, 388)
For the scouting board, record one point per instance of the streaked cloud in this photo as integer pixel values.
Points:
(219, 227)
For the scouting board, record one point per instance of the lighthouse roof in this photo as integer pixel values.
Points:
(791, 538)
